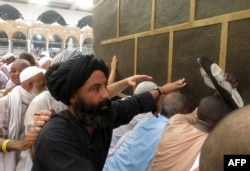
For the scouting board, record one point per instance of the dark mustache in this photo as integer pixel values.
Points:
(106, 102)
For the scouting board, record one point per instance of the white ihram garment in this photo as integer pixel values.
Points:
(12, 113)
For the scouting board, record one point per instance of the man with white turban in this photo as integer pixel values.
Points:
(45, 62)
(13, 108)
(44, 54)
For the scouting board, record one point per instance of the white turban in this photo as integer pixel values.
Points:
(43, 60)
(29, 72)
(8, 55)
(44, 53)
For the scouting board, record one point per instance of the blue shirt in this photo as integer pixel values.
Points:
(138, 149)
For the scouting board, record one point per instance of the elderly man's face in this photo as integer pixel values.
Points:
(92, 103)
(46, 65)
(39, 84)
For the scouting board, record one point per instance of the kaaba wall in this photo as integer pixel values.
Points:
(164, 38)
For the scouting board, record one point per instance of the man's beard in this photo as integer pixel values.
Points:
(93, 115)
(34, 92)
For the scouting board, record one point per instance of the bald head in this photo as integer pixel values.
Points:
(174, 103)
(16, 68)
(230, 136)
(210, 111)
(21, 62)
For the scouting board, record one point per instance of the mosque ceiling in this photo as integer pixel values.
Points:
(8, 12)
(78, 5)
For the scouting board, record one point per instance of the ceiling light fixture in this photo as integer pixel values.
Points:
(39, 2)
(86, 4)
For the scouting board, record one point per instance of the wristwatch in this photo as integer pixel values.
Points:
(157, 89)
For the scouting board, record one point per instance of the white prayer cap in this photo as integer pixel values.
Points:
(43, 60)
(44, 53)
(29, 72)
(145, 86)
(8, 55)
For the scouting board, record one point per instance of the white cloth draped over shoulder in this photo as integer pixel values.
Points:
(43, 101)
(13, 107)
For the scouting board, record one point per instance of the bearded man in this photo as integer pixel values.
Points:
(45, 101)
(79, 138)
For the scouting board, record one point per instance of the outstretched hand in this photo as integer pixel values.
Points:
(133, 80)
(168, 88)
(174, 86)
(114, 63)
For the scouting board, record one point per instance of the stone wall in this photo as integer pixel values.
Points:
(164, 38)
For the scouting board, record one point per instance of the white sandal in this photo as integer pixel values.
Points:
(218, 74)
(214, 78)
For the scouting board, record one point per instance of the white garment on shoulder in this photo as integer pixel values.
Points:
(14, 106)
(43, 101)
(3, 79)
(9, 84)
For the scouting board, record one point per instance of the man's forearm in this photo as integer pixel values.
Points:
(117, 87)
(11, 145)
